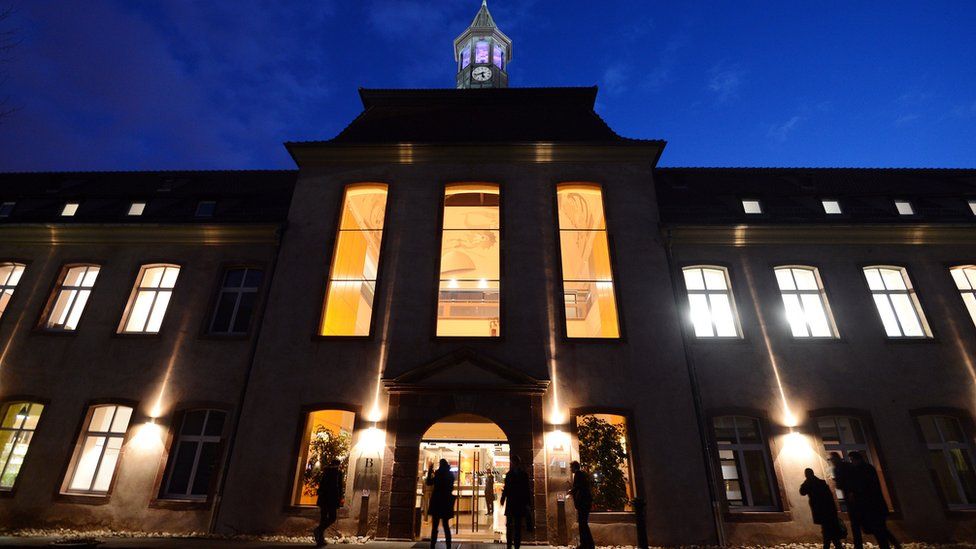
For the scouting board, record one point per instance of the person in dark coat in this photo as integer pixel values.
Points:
(582, 495)
(329, 499)
(516, 497)
(823, 509)
(870, 502)
(490, 492)
(441, 508)
(844, 480)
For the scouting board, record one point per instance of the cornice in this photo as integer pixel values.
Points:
(758, 235)
(202, 234)
(314, 154)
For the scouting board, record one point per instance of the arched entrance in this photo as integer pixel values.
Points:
(478, 452)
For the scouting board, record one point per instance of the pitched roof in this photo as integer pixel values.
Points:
(483, 18)
(477, 115)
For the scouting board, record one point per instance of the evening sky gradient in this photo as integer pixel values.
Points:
(113, 85)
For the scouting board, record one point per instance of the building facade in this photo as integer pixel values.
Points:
(181, 351)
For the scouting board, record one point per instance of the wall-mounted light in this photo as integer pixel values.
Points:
(149, 436)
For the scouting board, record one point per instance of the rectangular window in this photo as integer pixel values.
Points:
(194, 456)
(845, 434)
(745, 463)
(19, 422)
(904, 207)
(235, 304)
(70, 297)
(481, 52)
(466, 56)
(752, 207)
(713, 311)
(831, 207)
(591, 306)
(604, 452)
(951, 457)
(965, 279)
(806, 302)
(97, 453)
(469, 289)
(498, 56)
(896, 301)
(10, 274)
(348, 309)
(150, 298)
(327, 436)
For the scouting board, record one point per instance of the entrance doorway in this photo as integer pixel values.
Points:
(478, 453)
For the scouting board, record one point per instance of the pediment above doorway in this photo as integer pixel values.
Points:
(465, 369)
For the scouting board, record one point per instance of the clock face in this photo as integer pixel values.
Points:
(481, 73)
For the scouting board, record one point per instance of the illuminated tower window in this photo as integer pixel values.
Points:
(348, 309)
(805, 301)
(468, 301)
(710, 298)
(591, 307)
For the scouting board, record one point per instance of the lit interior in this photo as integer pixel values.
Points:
(16, 432)
(348, 309)
(10, 274)
(469, 289)
(321, 424)
(805, 302)
(620, 422)
(591, 308)
(710, 298)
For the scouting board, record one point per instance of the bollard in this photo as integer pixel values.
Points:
(562, 530)
(363, 514)
(641, 522)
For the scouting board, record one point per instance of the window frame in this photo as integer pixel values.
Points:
(502, 318)
(740, 335)
(320, 305)
(130, 302)
(23, 399)
(168, 500)
(55, 292)
(62, 491)
(824, 302)
(206, 328)
(13, 290)
(560, 298)
(968, 428)
(919, 310)
(778, 511)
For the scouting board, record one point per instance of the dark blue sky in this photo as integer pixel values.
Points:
(180, 84)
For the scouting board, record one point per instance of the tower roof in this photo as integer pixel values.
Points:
(483, 23)
(483, 18)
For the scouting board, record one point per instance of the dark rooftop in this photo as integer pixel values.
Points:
(170, 196)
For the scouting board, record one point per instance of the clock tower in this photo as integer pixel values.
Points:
(482, 53)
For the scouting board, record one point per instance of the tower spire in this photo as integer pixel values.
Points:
(482, 53)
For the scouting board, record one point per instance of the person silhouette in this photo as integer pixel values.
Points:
(582, 496)
(441, 507)
(489, 492)
(869, 499)
(329, 500)
(823, 509)
(844, 480)
(516, 497)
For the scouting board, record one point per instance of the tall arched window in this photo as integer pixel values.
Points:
(805, 301)
(746, 467)
(348, 308)
(896, 301)
(965, 278)
(98, 450)
(710, 299)
(70, 297)
(150, 299)
(10, 274)
(469, 295)
(591, 307)
(327, 435)
(16, 431)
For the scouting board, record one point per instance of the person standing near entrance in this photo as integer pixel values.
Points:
(329, 499)
(823, 509)
(441, 508)
(582, 496)
(516, 497)
(490, 491)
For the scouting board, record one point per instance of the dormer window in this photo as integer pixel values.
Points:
(136, 209)
(904, 207)
(7, 208)
(69, 209)
(831, 207)
(972, 206)
(752, 207)
(206, 208)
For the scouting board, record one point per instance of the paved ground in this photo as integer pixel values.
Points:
(197, 543)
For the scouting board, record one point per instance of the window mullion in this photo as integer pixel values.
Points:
(233, 314)
(894, 313)
(744, 484)
(188, 492)
(152, 307)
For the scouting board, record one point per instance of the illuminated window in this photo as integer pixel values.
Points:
(97, 452)
(195, 454)
(206, 208)
(136, 209)
(70, 297)
(69, 209)
(468, 301)
(746, 470)
(466, 56)
(481, 52)
(591, 307)
(896, 301)
(327, 436)
(844, 434)
(150, 298)
(7, 208)
(752, 207)
(965, 279)
(235, 304)
(972, 206)
(831, 207)
(806, 303)
(498, 56)
(951, 458)
(348, 309)
(604, 452)
(710, 298)
(10, 274)
(904, 207)
(16, 431)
